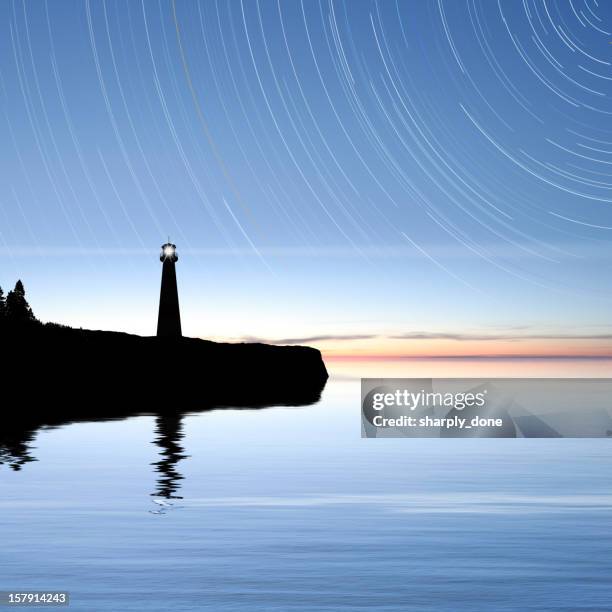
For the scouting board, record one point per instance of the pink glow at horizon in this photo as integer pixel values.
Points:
(517, 348)
(350, 368)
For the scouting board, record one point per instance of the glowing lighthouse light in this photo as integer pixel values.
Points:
(168, 252)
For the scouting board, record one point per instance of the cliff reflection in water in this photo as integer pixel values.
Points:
(15, 447)
(18, 433)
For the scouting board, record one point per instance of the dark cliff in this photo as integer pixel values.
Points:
(55, 365)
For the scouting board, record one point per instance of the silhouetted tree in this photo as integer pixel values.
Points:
(17, 308)
(2, 304)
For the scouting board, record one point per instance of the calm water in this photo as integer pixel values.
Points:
(289, 509)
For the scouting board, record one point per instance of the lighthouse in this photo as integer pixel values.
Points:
(169, 319)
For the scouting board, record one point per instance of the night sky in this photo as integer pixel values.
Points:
(389, 178)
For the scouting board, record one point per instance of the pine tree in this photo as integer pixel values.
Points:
(2, 304)
(17, 308)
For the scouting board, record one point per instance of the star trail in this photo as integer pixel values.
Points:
(353, 167)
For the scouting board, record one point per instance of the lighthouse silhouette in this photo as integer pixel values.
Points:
(169, 319)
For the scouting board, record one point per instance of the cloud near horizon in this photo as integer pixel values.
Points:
(499, 337)
(430, 335)
(306, 339)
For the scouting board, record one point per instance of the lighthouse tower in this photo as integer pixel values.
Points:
(169, 319)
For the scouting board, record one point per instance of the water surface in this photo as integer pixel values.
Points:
(289, 509)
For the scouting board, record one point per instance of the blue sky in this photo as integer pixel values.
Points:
(325, 168)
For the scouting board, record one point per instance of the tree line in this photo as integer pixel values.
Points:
(14, 307)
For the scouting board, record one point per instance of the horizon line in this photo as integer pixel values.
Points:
(479, 357)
